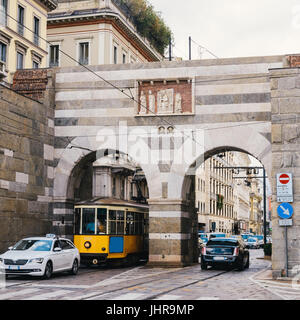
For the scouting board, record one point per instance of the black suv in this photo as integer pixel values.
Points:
(225, 251)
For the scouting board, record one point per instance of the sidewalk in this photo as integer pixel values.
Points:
(267, 275)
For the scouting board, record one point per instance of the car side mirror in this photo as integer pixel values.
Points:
(10, 248)
(57, 249)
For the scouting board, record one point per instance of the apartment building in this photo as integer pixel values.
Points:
(95, 32)
(22, 30)
(226, 200)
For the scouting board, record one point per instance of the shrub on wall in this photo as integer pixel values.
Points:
(148, 23)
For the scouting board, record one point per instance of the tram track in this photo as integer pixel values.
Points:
(153, 296)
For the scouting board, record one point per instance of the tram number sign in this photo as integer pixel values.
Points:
(284, 183)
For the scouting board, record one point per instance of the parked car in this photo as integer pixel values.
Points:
(260, 239)
(252, 243)
(225, 251)
(236, 236)
(217, 235)
(245, 236)
(40, 256)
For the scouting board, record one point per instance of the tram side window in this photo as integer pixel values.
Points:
(88, 221)
(101, 220)
(130, 222)
(116, 222)
(134, 223)
(77, 220)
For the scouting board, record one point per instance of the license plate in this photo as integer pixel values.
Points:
(219, 258)
(14, 267)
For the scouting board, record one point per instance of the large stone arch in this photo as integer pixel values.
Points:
(240, 138)
(82, 150)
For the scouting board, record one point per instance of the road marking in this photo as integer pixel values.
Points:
(168, 297)
(129, 296)
(17, 293)
(48, 295)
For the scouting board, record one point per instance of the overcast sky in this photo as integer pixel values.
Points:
(233, 28)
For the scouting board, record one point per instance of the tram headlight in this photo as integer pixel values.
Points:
(87, 244)
(103, 249)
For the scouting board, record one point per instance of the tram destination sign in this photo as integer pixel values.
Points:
(284, 183)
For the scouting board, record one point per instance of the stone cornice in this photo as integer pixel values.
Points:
(49, 4)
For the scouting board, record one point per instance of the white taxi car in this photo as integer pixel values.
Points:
(40, 256)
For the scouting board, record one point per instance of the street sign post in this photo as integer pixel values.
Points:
(285, 212)
(284, 183)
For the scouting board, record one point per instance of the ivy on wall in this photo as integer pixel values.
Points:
(149, 23)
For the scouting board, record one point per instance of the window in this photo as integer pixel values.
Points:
(21, 20)
(124, 58)
(115, 55)
(84, 53)
(54, 56)
(88, 221)
(35, 65)
(66, 245)
(101, 220)
(20, 60)
(116, 222)
(36, 29)
(3, 12)
(3, 52)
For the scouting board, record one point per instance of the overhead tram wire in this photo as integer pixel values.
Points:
(106, 81)
(132, 98)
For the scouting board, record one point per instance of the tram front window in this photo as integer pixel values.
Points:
(101, 221)
(88, 221)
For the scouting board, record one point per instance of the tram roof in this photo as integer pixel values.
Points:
(111, 201)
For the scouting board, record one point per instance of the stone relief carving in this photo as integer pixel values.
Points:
(143, 103)
(165, 97)
(165, 101)
(178, 108)
(151, 102)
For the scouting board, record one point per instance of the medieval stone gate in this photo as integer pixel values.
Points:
(170, 117)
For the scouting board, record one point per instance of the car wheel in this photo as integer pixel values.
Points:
(241, 266)
(203, 265)
(74, 269)
(48, 270)
(247, 263)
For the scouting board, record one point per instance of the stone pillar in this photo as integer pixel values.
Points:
(102, 182)
(285, 88)
(173, 235)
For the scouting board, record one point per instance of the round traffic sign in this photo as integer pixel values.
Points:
(285, 210)
(284, 178)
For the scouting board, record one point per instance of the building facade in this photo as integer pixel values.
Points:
(94, 33)
(22, 30)
(225, 202)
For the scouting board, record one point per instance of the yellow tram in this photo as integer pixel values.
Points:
(111, 230)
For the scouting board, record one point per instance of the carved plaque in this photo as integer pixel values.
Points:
(165, 97)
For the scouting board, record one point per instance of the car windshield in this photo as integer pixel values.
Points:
(251, 240)
(33, 245)
(222, 242)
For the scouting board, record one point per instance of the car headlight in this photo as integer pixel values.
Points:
(1, 260)
(36, 260)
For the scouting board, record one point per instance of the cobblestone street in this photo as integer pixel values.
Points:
(143, 283)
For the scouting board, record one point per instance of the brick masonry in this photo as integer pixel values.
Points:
(26, 157)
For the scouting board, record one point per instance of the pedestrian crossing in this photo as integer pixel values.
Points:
(286, 291)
